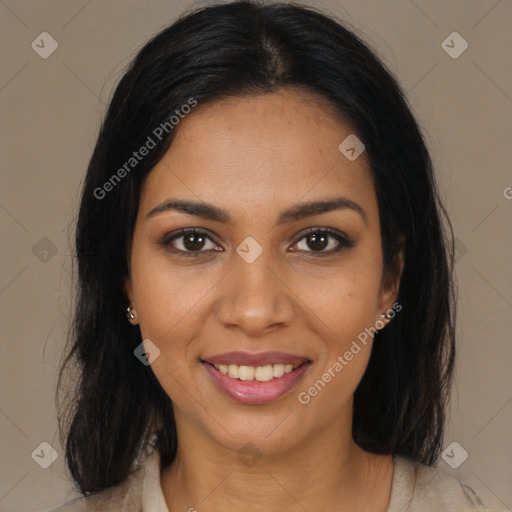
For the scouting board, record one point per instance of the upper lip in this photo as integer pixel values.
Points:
(261, 359)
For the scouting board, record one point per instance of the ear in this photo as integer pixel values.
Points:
(390, 284)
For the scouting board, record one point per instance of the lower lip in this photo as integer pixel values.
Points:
(253, 391)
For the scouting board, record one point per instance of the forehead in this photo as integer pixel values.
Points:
(259, 151)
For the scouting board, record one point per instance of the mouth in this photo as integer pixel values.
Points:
(269, 377)
(256, 373)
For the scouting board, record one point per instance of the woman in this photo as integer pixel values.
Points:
(265, 317)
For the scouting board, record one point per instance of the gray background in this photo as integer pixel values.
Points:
(51, 109)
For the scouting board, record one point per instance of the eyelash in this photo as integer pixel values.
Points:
(343, 240)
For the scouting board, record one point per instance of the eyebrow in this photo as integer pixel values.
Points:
(297, 212)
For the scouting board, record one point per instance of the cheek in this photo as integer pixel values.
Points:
(345, 299)
(168, 303)
(168, 298)
(345, 314)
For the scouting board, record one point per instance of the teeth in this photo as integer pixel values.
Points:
(259, 373)
(264, 373)
(246, 372)
(278, 370)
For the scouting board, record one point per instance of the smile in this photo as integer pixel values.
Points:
(263, 384)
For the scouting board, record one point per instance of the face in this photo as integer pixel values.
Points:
(265, 272)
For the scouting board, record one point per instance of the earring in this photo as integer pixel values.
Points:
(129, 313)
(387, 316)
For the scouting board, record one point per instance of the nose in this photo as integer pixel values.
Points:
(254, 297)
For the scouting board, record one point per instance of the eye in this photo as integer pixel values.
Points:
(320, 239)
(189, 242)
(193, 242)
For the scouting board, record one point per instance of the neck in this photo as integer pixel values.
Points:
(328, 470)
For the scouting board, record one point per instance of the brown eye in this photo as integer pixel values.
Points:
(317, 241)
(189, 242)
(194, 241)
(323, 241)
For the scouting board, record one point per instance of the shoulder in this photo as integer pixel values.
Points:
(417, 487)
(125, 497)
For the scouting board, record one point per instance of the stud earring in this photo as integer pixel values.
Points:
(129, 313)
(387, 316)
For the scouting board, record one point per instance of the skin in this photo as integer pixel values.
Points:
(254, 157)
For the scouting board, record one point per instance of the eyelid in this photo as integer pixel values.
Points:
(343, 240)
(166, 240)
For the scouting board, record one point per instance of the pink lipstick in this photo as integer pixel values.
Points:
(256, 378)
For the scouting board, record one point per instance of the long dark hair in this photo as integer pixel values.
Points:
(238, 49)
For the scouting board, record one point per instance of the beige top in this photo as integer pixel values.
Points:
(415, 488)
